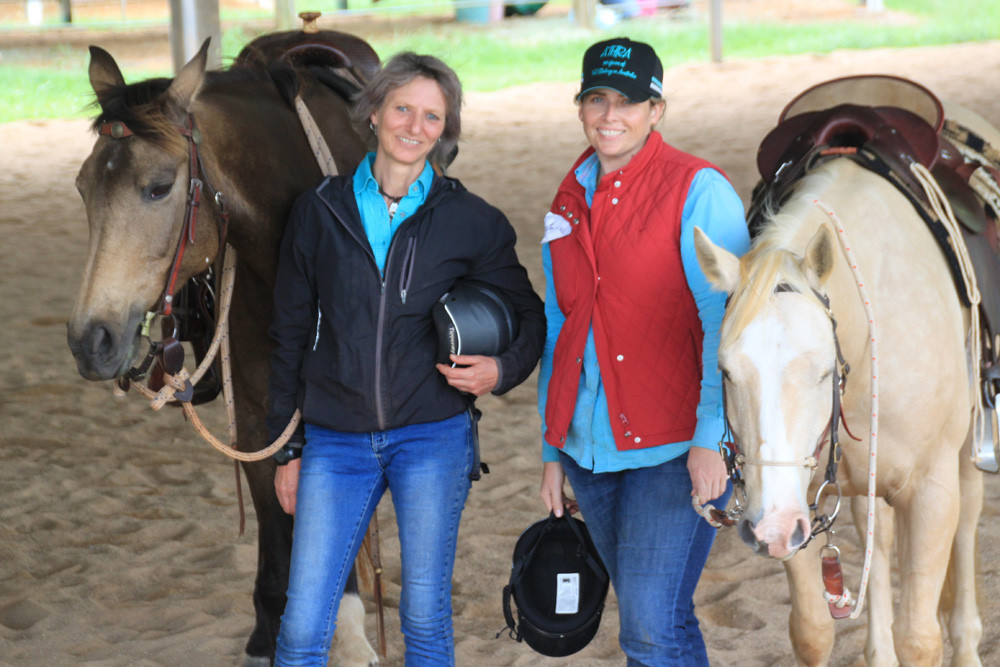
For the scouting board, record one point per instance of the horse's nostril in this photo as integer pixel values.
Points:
(800, 534)
(102, 341)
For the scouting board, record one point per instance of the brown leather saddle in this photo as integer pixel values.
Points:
(339, 60)
(885, 139)
(886, 124)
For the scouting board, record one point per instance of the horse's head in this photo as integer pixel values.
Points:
(135, 187)
(778, 359)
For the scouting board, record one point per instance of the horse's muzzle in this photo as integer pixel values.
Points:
(103, 351)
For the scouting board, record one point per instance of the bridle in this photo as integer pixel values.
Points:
(169, 350)
(735, 459)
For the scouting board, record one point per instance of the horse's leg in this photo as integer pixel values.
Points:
(879, 649)
(274, 539)
(810, 626)
(959, 598)
(351, 647)
(926, 522)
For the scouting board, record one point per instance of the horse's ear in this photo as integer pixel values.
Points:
(721, 267)
(105, 76)
(185, 86)
(818, 262)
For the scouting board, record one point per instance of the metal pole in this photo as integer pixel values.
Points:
(191, 22)
(585, 13)
(715, 10)
(284, 14)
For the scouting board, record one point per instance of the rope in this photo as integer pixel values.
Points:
(941, 207)
(873, 440)
(845, 600)
(316, 140)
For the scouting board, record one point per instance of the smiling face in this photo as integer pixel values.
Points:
(616, 127)
(410, 121)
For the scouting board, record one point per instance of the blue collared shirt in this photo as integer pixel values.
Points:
(379, 227)
(714, 206)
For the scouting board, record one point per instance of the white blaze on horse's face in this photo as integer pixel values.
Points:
(779, 373)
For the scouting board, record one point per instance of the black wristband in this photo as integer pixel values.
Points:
(287, 453)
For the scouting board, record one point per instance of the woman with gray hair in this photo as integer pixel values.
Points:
(364, 258)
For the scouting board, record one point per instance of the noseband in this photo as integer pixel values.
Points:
(736, 460)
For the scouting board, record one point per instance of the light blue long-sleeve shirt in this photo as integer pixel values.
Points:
(713, 206)
(379, 226)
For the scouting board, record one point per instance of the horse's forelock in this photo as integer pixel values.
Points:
(143, 108)
(762, 270)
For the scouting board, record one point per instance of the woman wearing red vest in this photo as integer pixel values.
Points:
(629, 391)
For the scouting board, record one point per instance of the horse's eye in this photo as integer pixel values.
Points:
(157, 191)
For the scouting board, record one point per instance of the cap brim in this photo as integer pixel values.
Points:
(632, 98)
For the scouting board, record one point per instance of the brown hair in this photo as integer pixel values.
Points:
(399, 71)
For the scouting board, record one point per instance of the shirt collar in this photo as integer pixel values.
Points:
(364, 179)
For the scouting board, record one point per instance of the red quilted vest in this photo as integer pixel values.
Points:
(620, 268)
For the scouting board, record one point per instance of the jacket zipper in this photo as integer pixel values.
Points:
(319, 319)
(406, 275)
(379, 335)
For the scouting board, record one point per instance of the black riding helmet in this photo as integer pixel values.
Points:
(473, 318)
(558, 584)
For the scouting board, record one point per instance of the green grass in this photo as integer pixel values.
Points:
(544, 48)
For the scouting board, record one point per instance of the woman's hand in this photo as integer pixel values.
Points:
(474, 374)
(552, 493)
(708, 474)
(286, 484)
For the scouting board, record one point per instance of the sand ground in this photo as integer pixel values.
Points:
(118, 535)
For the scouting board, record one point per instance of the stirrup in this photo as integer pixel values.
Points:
(986, 454)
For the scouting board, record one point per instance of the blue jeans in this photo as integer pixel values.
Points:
(654, 545)
(426, 469)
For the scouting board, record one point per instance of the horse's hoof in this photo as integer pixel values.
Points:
(256, 661)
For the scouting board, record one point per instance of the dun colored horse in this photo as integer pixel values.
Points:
(135, 185)
(795, 305)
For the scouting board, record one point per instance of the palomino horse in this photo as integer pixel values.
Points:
(135, 186)
(779, 356)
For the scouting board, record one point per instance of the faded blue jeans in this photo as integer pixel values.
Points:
(655, 546)
(426, 469)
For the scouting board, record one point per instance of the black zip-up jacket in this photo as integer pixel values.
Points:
(356, 350)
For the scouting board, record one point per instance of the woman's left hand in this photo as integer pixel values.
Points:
(708, 474)
(474, 373)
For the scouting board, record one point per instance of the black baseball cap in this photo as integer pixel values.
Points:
(630, 68)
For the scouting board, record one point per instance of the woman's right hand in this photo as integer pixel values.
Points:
(552, 493)
(286, 484)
